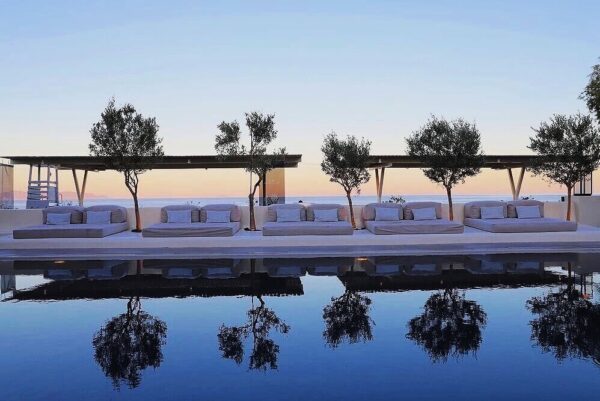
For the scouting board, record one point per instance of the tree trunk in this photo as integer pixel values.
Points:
(138, 220)
(569, 191)
(351, 209)
(251, 205)
(450, 207)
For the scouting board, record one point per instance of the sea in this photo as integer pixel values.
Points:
(357, 200)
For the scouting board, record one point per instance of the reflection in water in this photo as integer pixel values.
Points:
(261, 320)
(347, 319)
(566, 324)
(449, 326)
(129, 343)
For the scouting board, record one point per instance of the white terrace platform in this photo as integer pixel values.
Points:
(248, 244)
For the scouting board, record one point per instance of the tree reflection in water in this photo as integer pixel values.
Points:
(261, 320)
(129, 343)
(449, 326)
(566, 324)
(347, 319)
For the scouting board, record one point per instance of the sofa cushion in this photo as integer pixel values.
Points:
(369, 211)
(437, 226)
(272, 211)
(324, 215)
(310, 210)
(192, 230)
(194, 210)
(473, 209)
(511, 206)
(234, 210)
(409, 206)
(528, 212)
(288, 215)
(97, 217)
(118, 214)
(425, 213)
(491, 212)
(75, 211)
(218, 216)
(521, 225)
(70, 231)
(307, 228)
(386, 214)
(179, 216)
(57, 219)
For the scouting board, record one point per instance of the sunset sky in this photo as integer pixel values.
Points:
(376, 69)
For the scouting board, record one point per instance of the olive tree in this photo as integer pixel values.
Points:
(261, 129)
(345, 161)
(451, 151)
(591, 92)
(130, 144)
(569, 150)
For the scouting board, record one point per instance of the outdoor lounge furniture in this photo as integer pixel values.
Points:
(510, 222)
(77, 225)
(198, 224)
(406, 222)
(295, 219)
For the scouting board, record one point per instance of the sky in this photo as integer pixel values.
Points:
(374, 69)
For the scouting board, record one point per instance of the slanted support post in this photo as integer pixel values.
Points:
(516, 189)
(80, 190)
(377, 185)
(381, 184)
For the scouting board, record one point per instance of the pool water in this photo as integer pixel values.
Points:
(444, 327)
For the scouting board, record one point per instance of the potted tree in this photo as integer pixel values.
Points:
(345, 161)
(261, 129)
(130, 143)
(569, 149)
(451, 150)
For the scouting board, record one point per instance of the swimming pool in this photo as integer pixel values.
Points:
(469, 327)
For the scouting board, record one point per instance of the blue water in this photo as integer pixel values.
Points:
(487, 349)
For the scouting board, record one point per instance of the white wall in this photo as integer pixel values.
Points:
(586, 211)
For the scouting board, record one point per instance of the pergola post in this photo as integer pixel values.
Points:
(516, 189)
(80, 191)
(379, 180)
(377, 185)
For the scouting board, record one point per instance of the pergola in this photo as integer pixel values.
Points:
(94, 163)
(497, 162)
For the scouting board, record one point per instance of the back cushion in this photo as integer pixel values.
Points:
(368, 212)
(272, 211)
(473, 209)
(408, 215)
(118, 214)
(310, 210)
(235, 211)
(76, 213)
(512, 206)
(194, 210)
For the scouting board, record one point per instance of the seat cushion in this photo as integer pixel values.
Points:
(439, 226)
(192, 229)
(507, 225)
(307, 228)
(70, 231)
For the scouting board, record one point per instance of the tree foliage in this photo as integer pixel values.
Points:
(566, 324)
(449, 326)
(129, 143)
(347, 319)
(128, 344)
(261, 321)
(569, 150)
(591, 92)
(451, 150)
(262, 132)
(345, 161)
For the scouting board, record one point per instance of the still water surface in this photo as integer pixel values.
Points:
(477, 327)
